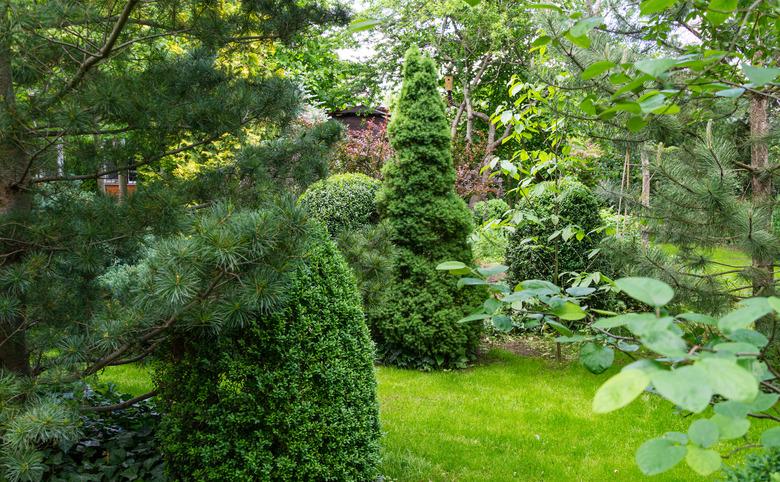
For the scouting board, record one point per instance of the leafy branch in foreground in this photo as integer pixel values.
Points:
(693, 360)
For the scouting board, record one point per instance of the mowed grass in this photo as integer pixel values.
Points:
(510, 418)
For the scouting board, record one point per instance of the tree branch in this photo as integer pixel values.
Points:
(121, 405)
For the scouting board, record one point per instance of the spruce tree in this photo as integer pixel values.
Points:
(417, 325)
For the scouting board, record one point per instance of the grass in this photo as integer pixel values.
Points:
(510, 418)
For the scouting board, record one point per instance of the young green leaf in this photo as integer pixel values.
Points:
(647, 290)
(729, 379)
(730, 428)
(759, 76)
(655, 67)
(450, 266)
(720, 10)
(703, 433)
(743, 317)
(649, 7)
(597, 68)
(569, 311)
(703, 461)
(620, 390)
(771, 438)
(686, 387)
(659, 455)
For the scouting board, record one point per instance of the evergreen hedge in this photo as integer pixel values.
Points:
(343, 202)
(533, 255)
(290, 396)
(417, 325)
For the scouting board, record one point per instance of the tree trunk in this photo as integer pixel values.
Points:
(761, 192)
(761, 188)
(645, 198)
(13, 198)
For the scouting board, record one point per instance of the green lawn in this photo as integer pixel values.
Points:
(510, 418)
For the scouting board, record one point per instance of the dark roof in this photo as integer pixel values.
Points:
(361, 111)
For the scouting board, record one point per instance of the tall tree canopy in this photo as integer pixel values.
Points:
(88, 281)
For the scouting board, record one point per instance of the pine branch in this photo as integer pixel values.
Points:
(103, 53)
(134, 165)
(112, 357)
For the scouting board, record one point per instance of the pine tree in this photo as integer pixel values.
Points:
(699, 205)
(417, 325)
(88, 281)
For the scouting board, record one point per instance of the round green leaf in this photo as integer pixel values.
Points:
(703, 461)
(771, 438)
(703, 433)
(596, 358)
(686, 387)
(597, 68)
(659, 455)
(730, 428)
(729, 379)
(620, 390)
(647, 290)
(569, 311)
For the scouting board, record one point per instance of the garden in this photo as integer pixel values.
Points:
(445, 240)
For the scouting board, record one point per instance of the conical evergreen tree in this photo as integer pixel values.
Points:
(418, 323)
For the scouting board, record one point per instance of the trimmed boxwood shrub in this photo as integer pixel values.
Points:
(532, 255)
(291, 396)
(417, 325)
(342, 201)
(484, 211)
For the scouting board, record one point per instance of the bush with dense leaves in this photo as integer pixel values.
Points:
(117, 445)
(543, 247)
(418, 325)
(342, 201)
(369, 252)
(289, 396)
(485, 211)
(489, 240)
(758, 467)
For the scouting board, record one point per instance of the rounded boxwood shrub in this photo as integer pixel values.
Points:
(342, 201)
(290, 396)
(533, 255)
(484, 211)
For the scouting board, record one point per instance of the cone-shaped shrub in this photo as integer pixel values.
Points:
(290, 396)
(417, 325)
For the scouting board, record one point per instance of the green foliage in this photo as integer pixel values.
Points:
(117, 445)
(485, 211)
(417, 326)
(344, 202)
(558, 233)
(290, 395)
(758, 467)
(369, 252)
(489, 240)
(88, 280)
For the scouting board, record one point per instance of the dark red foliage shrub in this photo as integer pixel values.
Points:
(364, 150)
(470, 184)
